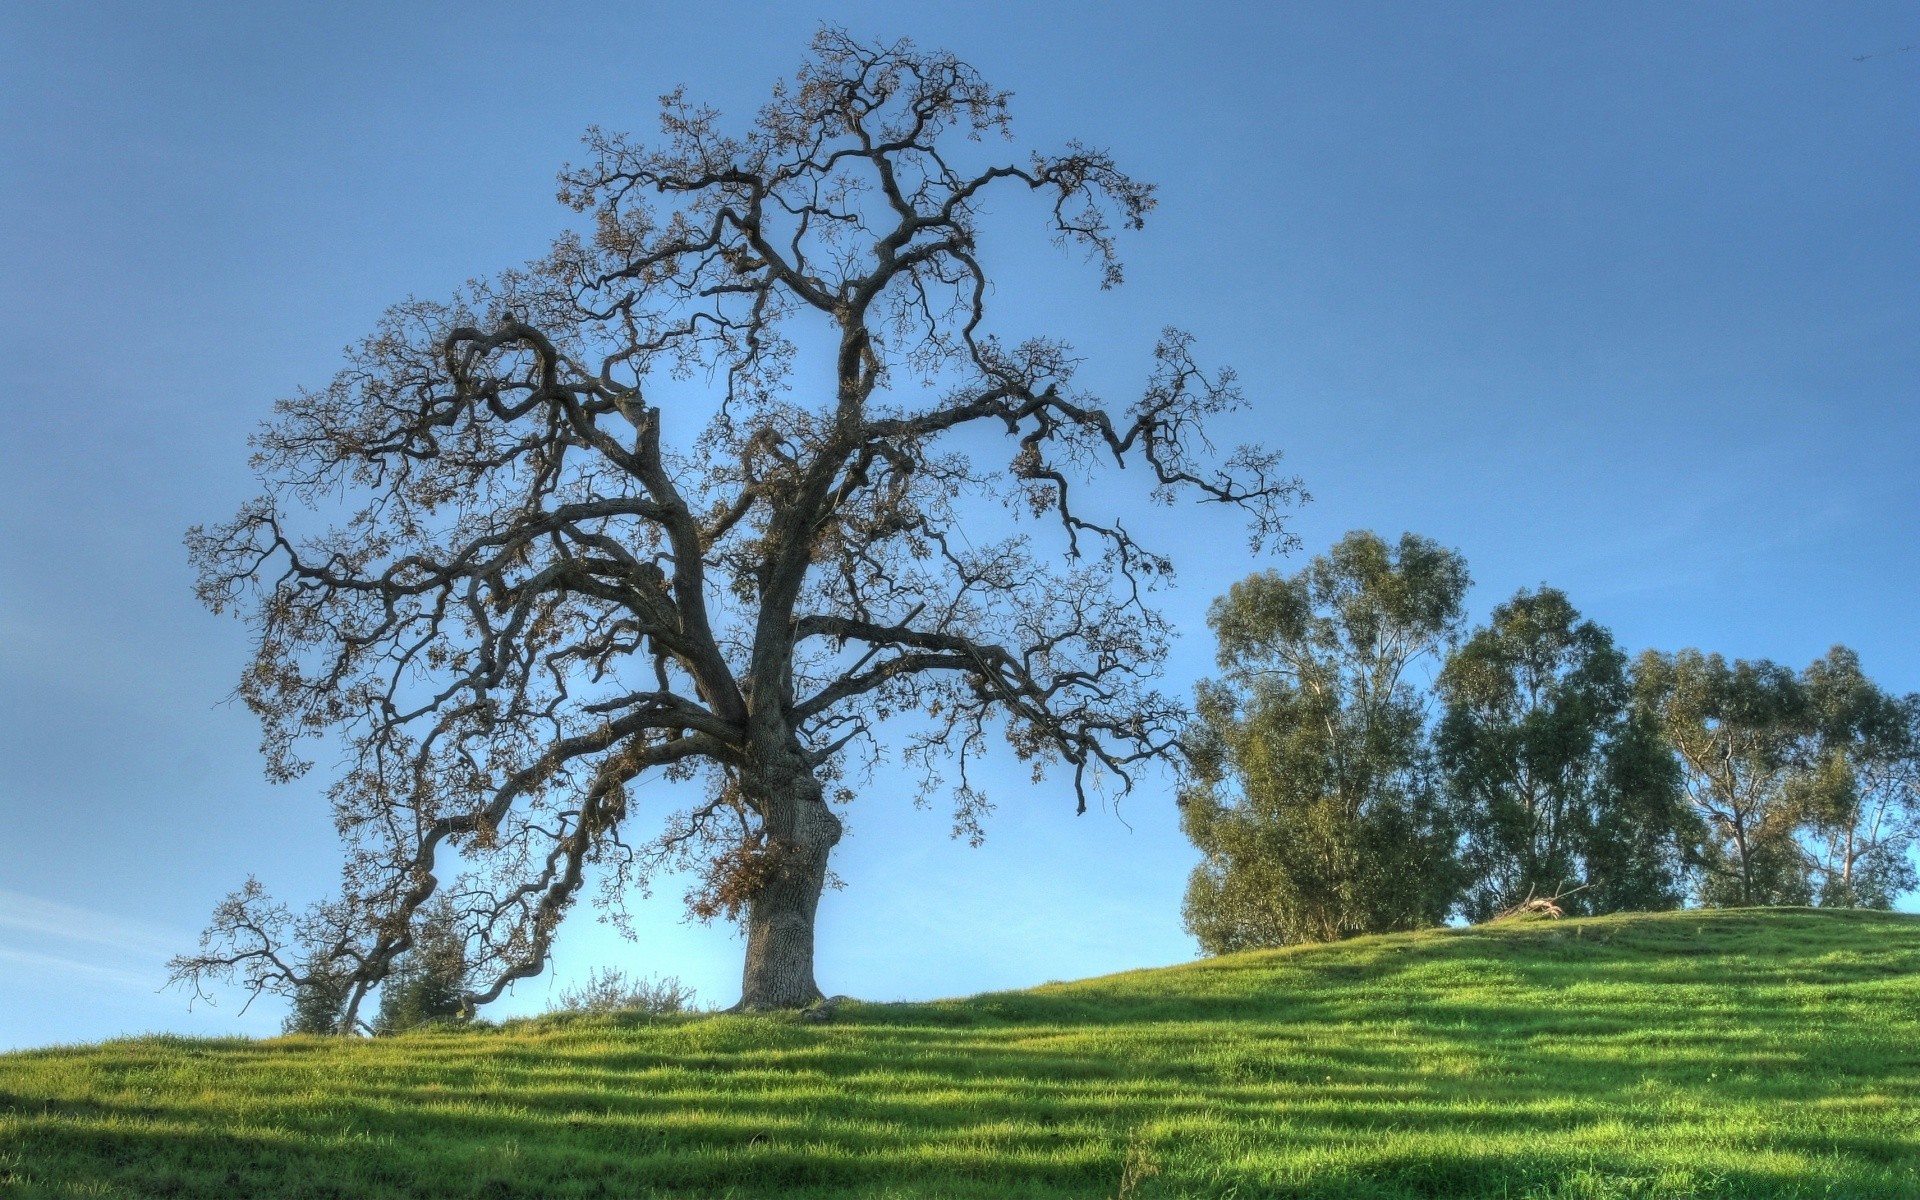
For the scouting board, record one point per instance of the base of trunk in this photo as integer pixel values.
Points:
(780, 919)
(779, 970)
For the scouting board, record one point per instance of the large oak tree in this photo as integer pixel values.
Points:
(683, 499)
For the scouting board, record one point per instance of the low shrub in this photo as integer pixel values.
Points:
(610, 990)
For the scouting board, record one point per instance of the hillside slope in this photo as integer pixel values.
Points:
(1736, 1054)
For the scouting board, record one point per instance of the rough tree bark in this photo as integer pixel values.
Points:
(781, 914)
(789, 875)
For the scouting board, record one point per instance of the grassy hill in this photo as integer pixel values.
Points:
(1737, 1054)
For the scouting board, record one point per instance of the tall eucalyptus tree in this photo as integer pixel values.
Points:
(1739, 732)
(1557, 789)
(1312, 798)
(1858, 792)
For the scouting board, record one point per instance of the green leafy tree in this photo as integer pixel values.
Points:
(1858, 792)
(1739, 732)
(428, 982)
(1556, 791)
(319, 1003)
(1311, 797)
(1647, 840)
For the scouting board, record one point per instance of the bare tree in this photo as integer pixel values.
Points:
(529, 597)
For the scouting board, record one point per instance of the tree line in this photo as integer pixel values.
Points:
(1364, 762)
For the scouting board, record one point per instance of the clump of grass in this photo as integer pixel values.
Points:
(1684, 1056)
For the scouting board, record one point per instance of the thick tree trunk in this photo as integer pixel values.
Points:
(801, 831)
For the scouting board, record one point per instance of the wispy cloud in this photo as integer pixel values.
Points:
(45, 935)
(145, 981)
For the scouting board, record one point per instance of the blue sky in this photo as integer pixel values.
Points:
(1621, 298)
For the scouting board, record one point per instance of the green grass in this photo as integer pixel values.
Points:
(1725, 1054)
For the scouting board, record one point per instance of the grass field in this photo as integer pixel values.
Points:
(1726, 1054)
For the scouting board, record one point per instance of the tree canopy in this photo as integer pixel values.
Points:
(1737, 730)
(1328, 798)
(1807, 783)
(683, 499)
(1312, 802)
(1859, 794)
(1557, 790)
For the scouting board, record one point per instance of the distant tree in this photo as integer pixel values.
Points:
(1646, 844)
(1739, 733)
(1312, 801)
(428, 982)
(531, 595)
(1857, 793)
(319, 1004)
(1554, 788)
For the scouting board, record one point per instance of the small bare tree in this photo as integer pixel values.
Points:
(531, 597)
